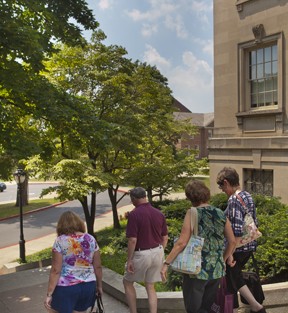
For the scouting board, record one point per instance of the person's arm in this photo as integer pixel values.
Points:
(131, 248)
(231, 243)
(98, 271)
(53, 277)
(164, 241)
(179, 245)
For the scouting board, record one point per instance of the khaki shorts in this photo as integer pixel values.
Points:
(147, 266)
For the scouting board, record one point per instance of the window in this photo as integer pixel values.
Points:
(263, 76)
(258, 181)
(260, 72)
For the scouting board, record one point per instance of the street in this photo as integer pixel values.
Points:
(42, 223)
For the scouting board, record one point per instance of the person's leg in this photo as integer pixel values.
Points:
(246, 293)
(193, 290)
(209, 295)
(130, 293)
(238, 284)
(152, 297)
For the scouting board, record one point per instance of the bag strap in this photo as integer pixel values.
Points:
(242, 202)
(194, 221)
(100, 304)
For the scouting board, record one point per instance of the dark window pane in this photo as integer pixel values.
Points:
(274, 53)
(260, 56)
(269, 84)
(268, 70)
(254, 87)
(274, 67)
(275, 97)
(261, 99)
(253, 72)
(268, 98)
(260, 71)
(267, 54)
(252, 57)
(261, 87)
(254, 101)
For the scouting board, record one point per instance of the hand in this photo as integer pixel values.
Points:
(130, 267)
(99, 292)
(47, 303)
(230, 261)
(164, 273)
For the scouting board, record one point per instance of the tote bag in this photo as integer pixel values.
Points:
(224, 301)
(250, 230)
(189, 260)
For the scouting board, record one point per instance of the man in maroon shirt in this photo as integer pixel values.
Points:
(147, 238)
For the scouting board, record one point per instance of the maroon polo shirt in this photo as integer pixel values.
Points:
(148, 225)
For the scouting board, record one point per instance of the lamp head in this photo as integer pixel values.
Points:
(19, 176)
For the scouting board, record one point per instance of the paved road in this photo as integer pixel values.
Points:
(42, 223)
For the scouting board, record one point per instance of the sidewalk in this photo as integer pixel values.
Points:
(25, 292)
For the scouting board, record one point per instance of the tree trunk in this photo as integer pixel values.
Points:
(89, 216)
(113, 198)
(149, 194)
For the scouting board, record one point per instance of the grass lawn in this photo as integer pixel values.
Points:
(10, 209)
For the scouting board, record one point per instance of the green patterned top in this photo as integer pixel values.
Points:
(211, 223)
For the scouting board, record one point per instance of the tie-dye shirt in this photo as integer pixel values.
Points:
(77, 257)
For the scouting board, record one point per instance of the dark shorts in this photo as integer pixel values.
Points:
(78, 297)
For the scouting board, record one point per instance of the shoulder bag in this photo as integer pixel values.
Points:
(98, 307)
(250, 230)
(252, 281)
(189, 260)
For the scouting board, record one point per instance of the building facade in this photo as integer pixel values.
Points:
(250, 87)
(204, 122)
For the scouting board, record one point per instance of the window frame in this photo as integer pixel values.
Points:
(244, 85)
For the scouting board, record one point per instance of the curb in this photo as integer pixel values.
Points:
(48, 207)
(36, 210)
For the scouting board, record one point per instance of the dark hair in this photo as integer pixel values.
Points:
(70, 223)
(230, 174)
(197, 192)
(137, 193)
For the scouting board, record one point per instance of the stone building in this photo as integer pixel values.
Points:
(250, 87)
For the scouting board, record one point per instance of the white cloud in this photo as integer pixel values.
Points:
(149, 29)
(104, 4)
(191, 81)
(152, 57)
(202, 8)
(177, 24)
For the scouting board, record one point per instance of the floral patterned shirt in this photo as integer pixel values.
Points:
(211, 224)
(77, 255)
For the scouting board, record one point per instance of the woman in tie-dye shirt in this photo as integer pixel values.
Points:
(76, 274)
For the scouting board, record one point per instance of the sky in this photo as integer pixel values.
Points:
(176, 36)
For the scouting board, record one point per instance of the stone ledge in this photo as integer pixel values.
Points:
(14, 267)
(276, 296)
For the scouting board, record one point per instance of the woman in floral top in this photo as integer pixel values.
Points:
(76, 274)
(199, 291)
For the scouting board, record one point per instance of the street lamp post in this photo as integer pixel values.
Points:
(20, 177)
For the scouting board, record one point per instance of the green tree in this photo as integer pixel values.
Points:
(29, 29)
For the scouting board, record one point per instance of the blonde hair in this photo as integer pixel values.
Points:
(70, 223)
